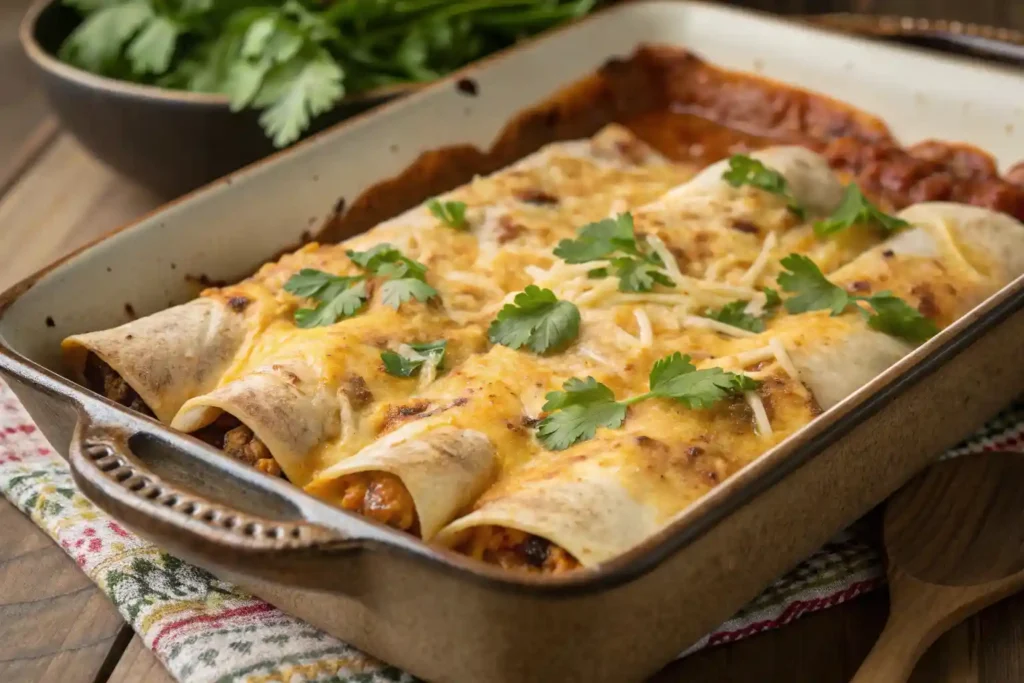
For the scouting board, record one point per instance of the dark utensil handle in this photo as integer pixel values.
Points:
(109, 473)
(1005, 46)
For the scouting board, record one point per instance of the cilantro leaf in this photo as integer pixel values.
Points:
(452, 214)
(638, 269)
(773, 300)
(814, 291)
(598, 240)
(394, 293)
(335, 303)
(676, 377)
(577, 412)
(888, 314)
(406, 365)
(896, 317)
(636, 275)
(583, 405)
(745, 170)
(96, 44)
(734, 313)
(294, 92)
(406, 278)
(153, 47)
(538, 319)
(387, 261)
(311, 283)
(854, 209)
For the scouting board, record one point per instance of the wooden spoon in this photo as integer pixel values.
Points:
(955, 541)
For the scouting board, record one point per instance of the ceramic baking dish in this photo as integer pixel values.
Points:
(431, 612)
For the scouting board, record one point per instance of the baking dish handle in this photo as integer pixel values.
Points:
(116, 479)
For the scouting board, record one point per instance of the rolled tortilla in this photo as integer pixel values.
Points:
(169, 356)
(287, 405)
(807, 174)
(611, 491)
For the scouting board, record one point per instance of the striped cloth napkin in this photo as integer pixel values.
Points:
(204, 629)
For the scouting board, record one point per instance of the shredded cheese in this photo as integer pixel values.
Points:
(756, 268)
(643, 324)
(708, 323)
(783, 356)
(671, 266)
(348, 420)
(764, 426)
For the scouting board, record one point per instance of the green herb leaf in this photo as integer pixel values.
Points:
(402, 365)
(452, 214)
(394, 293)
(334, 304)
(638, 269)
(856, 209)
(295, 92)
(734, 314)
(745, 170)
(599, 240)
(773, 300)
(896, 317)
(889, 313)
(97, 43)
(537, 319)
(577, 411)
(676, 377)
(583, 405)
(151, 50)
(814, 291)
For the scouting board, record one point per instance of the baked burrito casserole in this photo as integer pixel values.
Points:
(545, 366)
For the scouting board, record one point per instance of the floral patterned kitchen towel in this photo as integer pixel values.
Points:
(205, 630)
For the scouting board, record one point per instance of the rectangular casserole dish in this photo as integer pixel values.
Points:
(427, 610)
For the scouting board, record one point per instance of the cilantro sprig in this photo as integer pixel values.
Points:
(408, 364)
(745, 170)
(536, 319)
(452, 214)
(584, 405)
(406, 278)
(296, 59)
(637, 267)
(855, 209)
(338, 297)
(886, 312)
(735, 313)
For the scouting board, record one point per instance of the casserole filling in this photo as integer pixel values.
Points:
(514, 549)
(105, 381)
(382, 497)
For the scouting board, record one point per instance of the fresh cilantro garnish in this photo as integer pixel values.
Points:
(744, 170)
(408, 364)
(637, 268)
(735, 312)
(337, 297)
(296, 59)
(575, 413)
(405, 277)
(888, 314)
(452, 214)
(856, 208)
(538, 319)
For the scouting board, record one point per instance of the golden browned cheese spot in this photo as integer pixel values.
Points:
(357, 391)
(380, 496)
(515, 550)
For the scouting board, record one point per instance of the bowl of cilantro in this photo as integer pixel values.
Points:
(176, 93)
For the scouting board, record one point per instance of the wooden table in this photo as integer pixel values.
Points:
(56, 626)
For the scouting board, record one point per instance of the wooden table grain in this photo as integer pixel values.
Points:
(55, 626)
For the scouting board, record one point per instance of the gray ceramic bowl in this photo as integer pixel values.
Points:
(167, 140)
